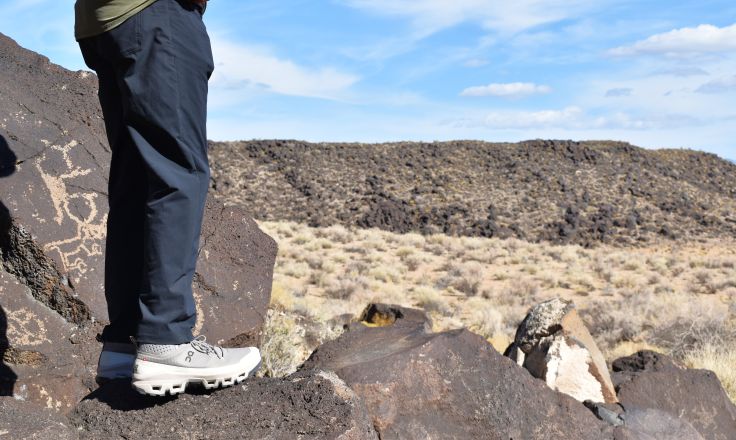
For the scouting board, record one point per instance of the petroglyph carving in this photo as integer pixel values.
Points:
(89, 224)
(25, 328)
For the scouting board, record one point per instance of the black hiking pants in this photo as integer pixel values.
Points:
(153, 72)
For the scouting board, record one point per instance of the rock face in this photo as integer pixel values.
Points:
(53, 180)
(232, 285)
(46, 360)
(554, 344)
(307, 405)
(450, 385)
(651, 381)
(22, 420)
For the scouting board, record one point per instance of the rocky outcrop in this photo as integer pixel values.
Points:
(553, 343)
(448, 385)
(653, 382)
(307, 405)
(53, 180)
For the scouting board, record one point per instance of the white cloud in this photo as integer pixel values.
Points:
(682, 71)
(240, 66)
(618, 92)
(720, 85)
(476, 62)
(703, 39)
(430, 16)
(507, 90)
(567, 117)
(575, 118)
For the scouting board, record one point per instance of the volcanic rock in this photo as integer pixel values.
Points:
(553, 343)
(553, 190)
(382, 315)
(648, 380)
(450, 385)
(40, 364)
(652, 424)
(232, 286)
(306, 405)
(22, 420)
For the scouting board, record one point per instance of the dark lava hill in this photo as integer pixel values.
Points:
(558, 191)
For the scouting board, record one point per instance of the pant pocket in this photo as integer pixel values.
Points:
(125, 39)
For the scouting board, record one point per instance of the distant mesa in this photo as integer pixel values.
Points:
(584, 193)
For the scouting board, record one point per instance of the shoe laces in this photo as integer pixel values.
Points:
(200, 344)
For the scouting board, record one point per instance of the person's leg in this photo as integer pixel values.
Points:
(162, 61)
(126, 200)
(165, 83)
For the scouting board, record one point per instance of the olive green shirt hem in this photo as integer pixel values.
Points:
(88, 24)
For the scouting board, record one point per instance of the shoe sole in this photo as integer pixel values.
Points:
(154, 379)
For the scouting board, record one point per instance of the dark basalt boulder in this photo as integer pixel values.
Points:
(306, 405)
(54, 165)
(652, 381)
(43, 358)
(450, 385)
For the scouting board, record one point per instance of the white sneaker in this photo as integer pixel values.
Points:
(116, 361)
(162, 369)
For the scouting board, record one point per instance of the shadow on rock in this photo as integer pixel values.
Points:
(120, 395)
(7, 376)
(7, 159)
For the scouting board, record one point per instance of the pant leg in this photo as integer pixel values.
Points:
(163, 60)
(126, 201)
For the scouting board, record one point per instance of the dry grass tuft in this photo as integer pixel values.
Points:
(718, 358)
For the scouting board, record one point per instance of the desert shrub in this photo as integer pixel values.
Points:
(296, 269)
(618, 319)
(357, 267)
(703, 283)
(431, 300)
(281, 297)
(335, 233)
(283, 347)
(685, 334)
(314, 262)
(345, 288)
(404, 252)
(485, 319)
(386, 273)
(301, 239)
(465, 278)
(412, 262)
(653, 280)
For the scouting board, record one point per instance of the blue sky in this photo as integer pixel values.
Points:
(654, 73)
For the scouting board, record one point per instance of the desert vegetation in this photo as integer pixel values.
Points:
(673, 297)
